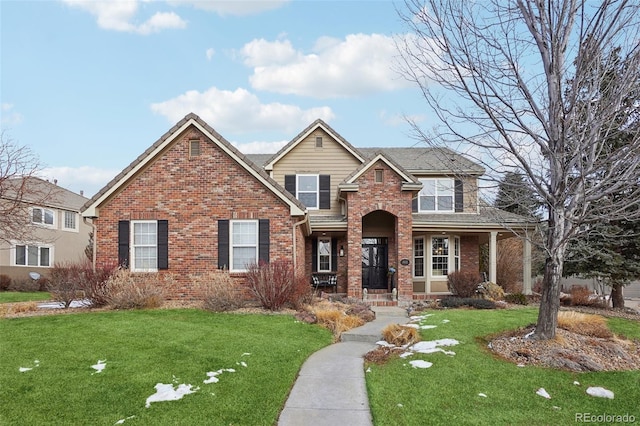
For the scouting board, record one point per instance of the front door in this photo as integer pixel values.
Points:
(374, 263)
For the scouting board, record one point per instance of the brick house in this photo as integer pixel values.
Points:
(192, 203)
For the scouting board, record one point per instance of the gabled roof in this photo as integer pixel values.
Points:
(91, 208)
(410, 182)
(268, 165)
(36, 191)
(428, 160)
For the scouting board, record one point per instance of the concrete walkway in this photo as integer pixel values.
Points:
(330, 389)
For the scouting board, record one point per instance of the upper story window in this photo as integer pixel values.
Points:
(436, 195)
(33, 255)
(308, 190)
(194, 148)
(70, 221)
(324, 255)
(318, 141)
(243, 244)
(42, 216)
(379, 176)
(144, 246)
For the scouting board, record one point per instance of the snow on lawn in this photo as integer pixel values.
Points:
(599, 392)
(36, 363)
(543, 393)
(419, 363)
(166, 392)
(99, 366)
(84, 303)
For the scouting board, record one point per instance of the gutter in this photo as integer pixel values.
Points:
(293, 234)
(95, 241)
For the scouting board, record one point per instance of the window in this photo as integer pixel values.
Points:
(194, 148)
(456, 253)
(33, 255)
(379, 175)
(42, 216)
(144, 246)
(307, 193)
(439, 256)
(244, 244)
(318, 141)
(324, 255)
(418, 257)
(70, 220)
(436, 195)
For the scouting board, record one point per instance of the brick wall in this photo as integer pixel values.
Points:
(192, 194)
(469, 253)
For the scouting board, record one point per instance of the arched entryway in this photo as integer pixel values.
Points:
(379, 249)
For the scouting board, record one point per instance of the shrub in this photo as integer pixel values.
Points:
(456, 302)
(509, 265)
(337, 321)
(5, 282)
(463, 283)
(25, 285)
(585, 324)
(67, 281)
(494, 291)
(582, 296)
(95, 286)
(219, 291)
(272, 283)
(124, 290)
(516, 298)
(302, 292)
(400, 335)
(451, 302)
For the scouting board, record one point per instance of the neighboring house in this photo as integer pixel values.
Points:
(53, 232)
(192, 203)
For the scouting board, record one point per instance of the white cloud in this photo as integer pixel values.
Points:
(84, 178)
(210, 52)
(259, 147)
(239, 111)
(9, 117)
(232, 7)
(358, 65)
(117, 16)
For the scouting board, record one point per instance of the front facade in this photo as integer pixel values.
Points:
(372, 221)
(53, 230)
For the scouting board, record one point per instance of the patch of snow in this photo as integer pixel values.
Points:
(368, 370)
(384, 343)
(432, 344)
(419, 317)
(520, 365)
(482, 395)
(406, 354)
(576, 383)
(242, 363)
(416, 326)
(246, 354)
(419, 363)
(84, 303)
(166, 392)
(599, 392)
(555, 407)
(444, 321)
(213, 375)
(528, 335)
(427, 327)
(23, 369)
(400, 405)
(543, 393)
(121, 421)
(99, 366)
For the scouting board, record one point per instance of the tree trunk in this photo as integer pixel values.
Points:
(550, 302)
(617, 295)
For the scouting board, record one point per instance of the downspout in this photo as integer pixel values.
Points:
(95, 239)
(295, 225)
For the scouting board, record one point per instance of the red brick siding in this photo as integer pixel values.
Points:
(192, 194)
(469, 253)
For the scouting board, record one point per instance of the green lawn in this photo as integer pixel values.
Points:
(141, 349)
(447, 393)
(20, 296)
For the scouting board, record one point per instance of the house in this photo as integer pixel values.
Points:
(50, 228)
(349, 216)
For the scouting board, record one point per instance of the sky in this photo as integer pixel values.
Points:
(88, 85)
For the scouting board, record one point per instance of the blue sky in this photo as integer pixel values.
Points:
(89, 85)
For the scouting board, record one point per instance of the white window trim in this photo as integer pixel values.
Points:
(44, 225)
(132, 246)
(317, 176)
(232, 245)
(437, 210)
(13, 254)
(424, 258)
(451, 257)
(431, 256)
(64, 221)
(330, 255)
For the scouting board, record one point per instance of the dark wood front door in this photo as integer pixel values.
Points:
(375, 263)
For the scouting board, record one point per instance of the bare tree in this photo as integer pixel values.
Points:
(19, 188)
(520, 85)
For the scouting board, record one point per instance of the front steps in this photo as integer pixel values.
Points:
(379, 299)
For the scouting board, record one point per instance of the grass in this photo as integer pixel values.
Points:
(20, 296)
(141, 349)
(447, 393)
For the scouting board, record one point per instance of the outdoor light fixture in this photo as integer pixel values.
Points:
(341, 252)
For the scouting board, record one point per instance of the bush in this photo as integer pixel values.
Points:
(585, 324)
(516, 299)
(125, 290)
(219, 291)
(26, 285)
(456, 302)
(509, 265)
(494, 291)
(463, 283)
(273, 284)
(582, 296)
(5, 282)
(69, 281)
(399, 335)
(451, 302)
(480, 303)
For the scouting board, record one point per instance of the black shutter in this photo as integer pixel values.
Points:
(290, 184)
(163, 244)
(458, 199)
(223, 244)
(123, 243)
(414, 204)
(263, 240)
(334, 255)
(314, 255)
(325, 191)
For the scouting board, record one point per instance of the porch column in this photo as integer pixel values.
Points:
(493, 263)
(526, 266)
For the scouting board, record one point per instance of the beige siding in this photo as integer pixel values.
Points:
(331, 159)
